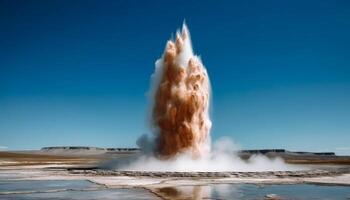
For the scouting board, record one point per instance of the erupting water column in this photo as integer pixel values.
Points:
(181, 101)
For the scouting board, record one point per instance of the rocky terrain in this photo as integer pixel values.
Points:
(265, 174)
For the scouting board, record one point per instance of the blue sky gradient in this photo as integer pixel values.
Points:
(77, 72)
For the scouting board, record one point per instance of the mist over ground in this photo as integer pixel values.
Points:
(222, 157)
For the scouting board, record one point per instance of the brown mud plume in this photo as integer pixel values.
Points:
(180, 110)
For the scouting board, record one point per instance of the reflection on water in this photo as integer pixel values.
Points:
(251, 191)
(81, 190)
(185, 192)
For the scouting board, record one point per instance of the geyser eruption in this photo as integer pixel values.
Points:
(180, 95)
(181, 101)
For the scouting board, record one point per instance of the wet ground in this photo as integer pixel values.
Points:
(252, 191)
(70, 190)
(81, 189)
(58, 178)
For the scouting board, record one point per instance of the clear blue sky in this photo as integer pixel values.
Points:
(77, 72)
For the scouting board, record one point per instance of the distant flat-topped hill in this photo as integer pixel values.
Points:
(84, 150)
